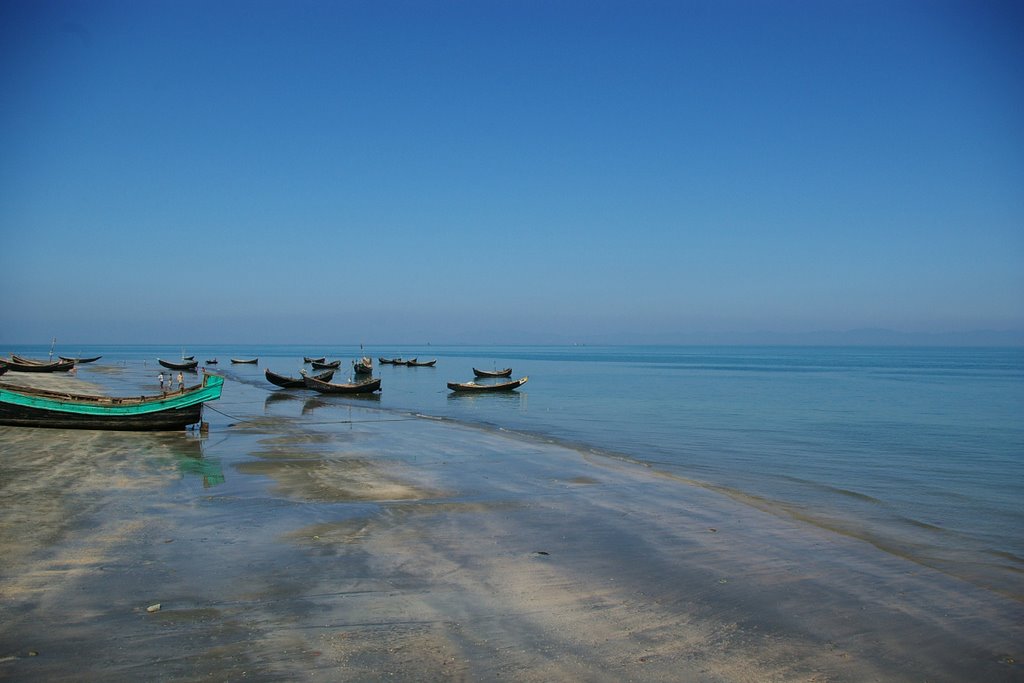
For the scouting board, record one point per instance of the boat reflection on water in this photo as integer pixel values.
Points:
(209, 469)
(337, 401)
(505, 398)
(187, 451)
(278, 397)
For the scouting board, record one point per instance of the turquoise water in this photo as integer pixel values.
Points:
(919, 451)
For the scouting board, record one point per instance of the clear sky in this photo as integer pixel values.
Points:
(525, 171)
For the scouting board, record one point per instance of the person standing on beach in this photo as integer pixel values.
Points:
(181, 382)
(161, 378)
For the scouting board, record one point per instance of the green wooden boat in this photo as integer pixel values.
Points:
(27, 407)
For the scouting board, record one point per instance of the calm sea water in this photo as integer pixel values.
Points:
(919, 451)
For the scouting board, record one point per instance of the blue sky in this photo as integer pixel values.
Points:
(207, 172)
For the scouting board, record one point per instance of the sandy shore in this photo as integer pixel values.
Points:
(307, 541)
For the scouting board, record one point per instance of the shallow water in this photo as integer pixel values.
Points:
(346, 539)
(917, 450)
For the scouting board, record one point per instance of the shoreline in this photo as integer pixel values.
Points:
(426, 550)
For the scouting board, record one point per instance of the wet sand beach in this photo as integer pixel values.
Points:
(331, 541)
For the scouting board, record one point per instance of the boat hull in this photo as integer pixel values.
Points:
(287, 382)
(507, 372)
(26, 407)
(164, 421)
(473, 387)
(367, 387)
(187, 365)
(35, 366)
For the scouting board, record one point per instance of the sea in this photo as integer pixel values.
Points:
(916, 451)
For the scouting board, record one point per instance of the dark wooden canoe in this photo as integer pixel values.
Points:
(365, 387)
(80, 361)
(333, 365)
(25, 407)
(295, 382)
(391, 361)
(307, 359)
(188, 357)
(184, 365)
(473, 386)
(363, 366)
(37, 366)
(245, 361)
(426, 364)
(211, 361)
(507, 372)
(29, 361)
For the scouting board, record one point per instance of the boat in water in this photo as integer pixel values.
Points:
(295, 382)
(365, 387)
(474, 387)
(507, 372)
(80, 361)
(184, 365)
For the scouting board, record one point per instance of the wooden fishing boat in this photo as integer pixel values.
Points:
(211, 361)
(295, 382)
(426, 364)
(365, 387)
(80, 361)
(188, 357)
(3, 368)
(333, 365)
(363, 366)
(37, 366)
(184, 365)
(391, 361)
(29, 361)
(25, 407)
(245, 361)
(507, 372)
(502, 386)
(307, 359)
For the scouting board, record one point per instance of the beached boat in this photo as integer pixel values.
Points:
(36, 366)
(391, 361)
(307, 359)
(295, 382)
(425, 364)
(245, 361)
(3, 369)
(184, 365)
(365, 387)
(29, 361)
(502, 386)
(25, 407)
(320, 365)
(507, 372)
(80, 361)
(363, 366)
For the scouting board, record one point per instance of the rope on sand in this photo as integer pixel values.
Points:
(319, 422)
